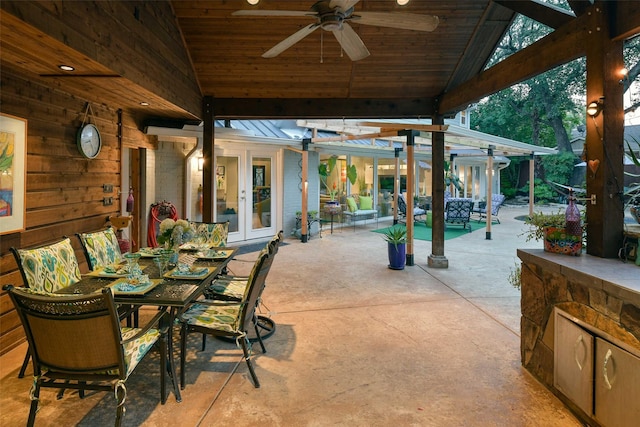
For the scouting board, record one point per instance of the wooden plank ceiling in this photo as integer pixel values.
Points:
(405, 70)
(173, 53)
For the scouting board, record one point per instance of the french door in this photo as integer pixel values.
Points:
(246, 193)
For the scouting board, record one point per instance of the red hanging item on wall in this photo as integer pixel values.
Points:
(159, 212)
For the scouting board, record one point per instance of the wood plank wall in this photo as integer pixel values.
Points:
(64, 191)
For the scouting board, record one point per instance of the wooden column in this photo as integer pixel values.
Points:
(304, 233)
(437, 258)
(208, 186)
(489, 190)
(411, 135)
(532, 165)
(604, 141)
(396, 185)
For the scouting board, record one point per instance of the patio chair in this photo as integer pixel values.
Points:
(496, 202)
(101, 248)
(402, 209)
(233, 288)
(229, 319)
(458, 212)
(76, 342)
(214, 233)
(47, 269)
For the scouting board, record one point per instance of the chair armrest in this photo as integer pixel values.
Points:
(162, 319)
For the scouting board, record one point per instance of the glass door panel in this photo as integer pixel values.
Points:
(261, 201)
(227, 191)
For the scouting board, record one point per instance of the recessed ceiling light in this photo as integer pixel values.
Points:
(144, 103)
(66, 67)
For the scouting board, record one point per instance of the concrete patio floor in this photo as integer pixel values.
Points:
(356, 344)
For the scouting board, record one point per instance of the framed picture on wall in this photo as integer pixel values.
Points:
(220, 171)
(13, 157)
(258, 176)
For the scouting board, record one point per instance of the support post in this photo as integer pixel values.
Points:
(411, 135)
(396, 185)
(604, 141)
(208, 186)
(489, 190)
(304, 233)
(437, 258)
(532, 166)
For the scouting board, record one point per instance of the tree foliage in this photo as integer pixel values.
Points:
(543, 110)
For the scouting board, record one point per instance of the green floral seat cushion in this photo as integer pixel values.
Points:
(216, 233)
(102, 248)
(233, 287)
(50, 268)
(223, 317)
(134, 351)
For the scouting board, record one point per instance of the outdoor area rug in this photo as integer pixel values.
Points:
(422, 232)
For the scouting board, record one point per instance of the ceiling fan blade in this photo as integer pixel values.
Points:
(253, 12)
(405, 21)
(351, 43)
(290, 41)
(344, 5)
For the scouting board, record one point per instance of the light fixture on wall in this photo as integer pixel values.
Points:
(200, 163)
(253, 2)
(594, 108)
(402, 2)
(624, 80)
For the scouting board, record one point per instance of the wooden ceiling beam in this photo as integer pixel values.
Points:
(561, 46)
(579, 7)
(280, 108)
(546, 14)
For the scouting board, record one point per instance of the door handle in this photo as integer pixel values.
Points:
(575, 351)
(605, 374)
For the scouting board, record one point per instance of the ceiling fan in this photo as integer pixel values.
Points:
(334, 15)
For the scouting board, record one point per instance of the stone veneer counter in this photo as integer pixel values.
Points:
(601, 293)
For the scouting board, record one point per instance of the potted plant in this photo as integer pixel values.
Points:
(326, 168)
(396, 238)
(550, 228)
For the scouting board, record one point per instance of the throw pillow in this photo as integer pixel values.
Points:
(366, 203)
(352, 204)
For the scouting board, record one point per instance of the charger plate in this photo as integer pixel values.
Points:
(215, 254)
(100, 272)
(176, 274)
(122, 287)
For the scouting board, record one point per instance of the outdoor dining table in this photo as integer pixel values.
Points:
(172, 294)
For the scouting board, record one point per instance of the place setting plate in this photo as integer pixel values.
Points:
(111, 271)
(193, 273)
(214, 254)
(150, 252)
(191, 246)
(124, 286)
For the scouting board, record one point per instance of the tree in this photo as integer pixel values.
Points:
(543, 110)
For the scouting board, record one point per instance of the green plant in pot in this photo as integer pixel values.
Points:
(396, 238)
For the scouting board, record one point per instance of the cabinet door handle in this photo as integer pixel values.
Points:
(607, 357)
(575, 351)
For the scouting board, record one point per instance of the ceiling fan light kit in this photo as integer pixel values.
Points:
(335, 15)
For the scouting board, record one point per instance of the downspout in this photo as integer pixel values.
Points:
(187, 199)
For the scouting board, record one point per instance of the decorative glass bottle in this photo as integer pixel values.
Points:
(130, 201)
(573, 223)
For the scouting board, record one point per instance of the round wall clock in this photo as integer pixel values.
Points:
(89, 141)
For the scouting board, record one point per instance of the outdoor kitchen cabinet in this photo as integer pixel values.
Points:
(599, 377)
